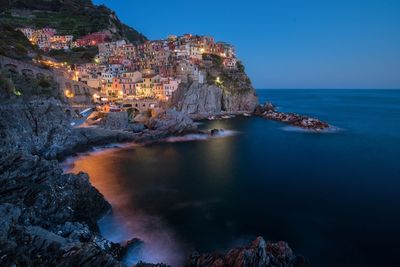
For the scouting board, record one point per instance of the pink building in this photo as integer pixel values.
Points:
(93, 39)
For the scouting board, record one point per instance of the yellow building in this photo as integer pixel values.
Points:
(146, 88)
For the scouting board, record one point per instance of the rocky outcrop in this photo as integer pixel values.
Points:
(113, 121)
(206, 99)
(257, 254)
(269, 112)
(198, 99)
(224, 90)
(171, 122)
(242, 101)
(48, 218)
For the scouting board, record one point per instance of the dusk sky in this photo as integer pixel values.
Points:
(287, 43)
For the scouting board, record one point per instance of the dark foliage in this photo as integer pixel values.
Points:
(13, 43)
(77, 17)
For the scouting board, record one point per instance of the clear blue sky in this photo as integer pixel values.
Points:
(287, 43)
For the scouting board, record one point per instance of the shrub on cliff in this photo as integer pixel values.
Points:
(76, 17)
(16, 85)
(13, 43)
(6, 86)
(79, 55)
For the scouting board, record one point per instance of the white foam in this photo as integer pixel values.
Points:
(331, 129)
(199, 137)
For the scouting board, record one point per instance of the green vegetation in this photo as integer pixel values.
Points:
(13, 43)
(16, 85)
(215, 59)
(232, 80)
(240, 66)
(76, 17)
(78, 55)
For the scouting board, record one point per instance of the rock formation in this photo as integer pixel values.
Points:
(171, 122)
(224, 90)
(257, 254)
(268, 111)
(48, 218)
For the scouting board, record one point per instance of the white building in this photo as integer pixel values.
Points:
(135, 76)
(170, 87)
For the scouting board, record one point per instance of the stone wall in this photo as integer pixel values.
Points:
(83, 94)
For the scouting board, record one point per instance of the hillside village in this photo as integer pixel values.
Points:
(122, 71)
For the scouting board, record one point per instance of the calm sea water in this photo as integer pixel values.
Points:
(334, 197)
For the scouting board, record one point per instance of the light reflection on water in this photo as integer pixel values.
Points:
(331, 196)
(127, 220)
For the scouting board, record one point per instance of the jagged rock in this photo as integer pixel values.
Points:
(115, 121)
(224, 90)
(74, 231)
(143, 264)
(268, 111)
(214, 132)
(208, 99)
(172, 122)
(9, 215)
(257, 254)
(37, 199)
(244, 101)
(266, 107)
(38, 126)
(199, 99)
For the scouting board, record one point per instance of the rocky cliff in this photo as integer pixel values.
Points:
(48, 218)
(225, 90)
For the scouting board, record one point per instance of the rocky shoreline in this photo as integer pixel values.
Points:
(268, 111)
(48, 217)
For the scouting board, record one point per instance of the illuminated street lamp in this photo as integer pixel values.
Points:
(69, 94)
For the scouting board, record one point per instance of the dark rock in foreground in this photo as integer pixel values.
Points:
(49, 218)
(257, 254)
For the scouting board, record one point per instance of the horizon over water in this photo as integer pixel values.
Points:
(334, 197)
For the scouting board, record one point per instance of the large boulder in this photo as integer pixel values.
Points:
(171, 122)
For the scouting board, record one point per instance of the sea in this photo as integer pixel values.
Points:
(334, 196)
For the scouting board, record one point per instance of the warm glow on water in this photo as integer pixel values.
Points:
(331, 196)
(127, 220)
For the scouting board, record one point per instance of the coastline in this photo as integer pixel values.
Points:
(48, 139)
(271, 253)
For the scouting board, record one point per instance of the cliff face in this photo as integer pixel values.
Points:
(48, 218)
(225, 90)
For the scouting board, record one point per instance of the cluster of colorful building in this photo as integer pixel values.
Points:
(47, 39)
(153, 69)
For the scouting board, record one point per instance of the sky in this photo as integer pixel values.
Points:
(287, 43)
